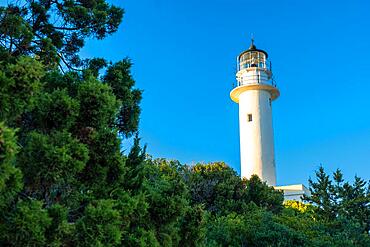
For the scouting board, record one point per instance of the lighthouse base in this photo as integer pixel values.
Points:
(293, 192)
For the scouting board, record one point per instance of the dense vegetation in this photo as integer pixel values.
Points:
(64, 180)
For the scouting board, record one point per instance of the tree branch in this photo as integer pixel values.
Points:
(66, 63)
(67, 28)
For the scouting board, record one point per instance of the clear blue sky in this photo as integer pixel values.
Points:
(184, 59)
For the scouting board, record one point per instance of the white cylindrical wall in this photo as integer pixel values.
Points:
(256, 136)
(252, 76)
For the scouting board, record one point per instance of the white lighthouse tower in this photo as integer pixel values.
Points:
(255, 92)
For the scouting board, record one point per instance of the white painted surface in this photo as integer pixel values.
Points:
(252, 76)
(294, 192)
(256, 136)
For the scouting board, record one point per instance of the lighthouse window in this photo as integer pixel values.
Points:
(249, 117)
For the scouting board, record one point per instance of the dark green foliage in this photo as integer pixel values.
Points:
(55, 30)
(320, 195)
(262, 195)
(303, 219)
(19, 83)
(53, 111)
(98, 105)
(25, 225)
(167, 196)
(59, 232)
(193, 225)
(162, 205)
(50, 164)
(338, 199)
(10, 176)
(100, 225)
(254, 228)
(135, 163)
(341, 203)
(118, 76)
(94, 66)
(166, 190)
(214, 185)
(221, 190)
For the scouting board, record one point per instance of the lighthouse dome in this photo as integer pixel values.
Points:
(253, 58)
(253, 48)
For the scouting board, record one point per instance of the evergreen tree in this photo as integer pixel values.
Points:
(339, 200)
(222, 191)
(10, 176)
(55, 30)
(20, 82)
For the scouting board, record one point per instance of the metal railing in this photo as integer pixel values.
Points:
(255, 79)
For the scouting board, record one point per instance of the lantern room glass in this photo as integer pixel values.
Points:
(252, 59)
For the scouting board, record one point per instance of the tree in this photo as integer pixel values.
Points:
(118, 77)
(336, 199)
(10, 176)
(54, 30)
(193, 227)
(318, 232)
(20, 82)
(51, 164)
(100, 225)
(222, 191)
(25, 225)
(70, 127)
(332, 218)
(263, 195)
(170, 216)
(255, 227)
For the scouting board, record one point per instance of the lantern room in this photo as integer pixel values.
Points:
(253, 67)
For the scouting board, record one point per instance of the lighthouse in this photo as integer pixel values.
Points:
(255, 92)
